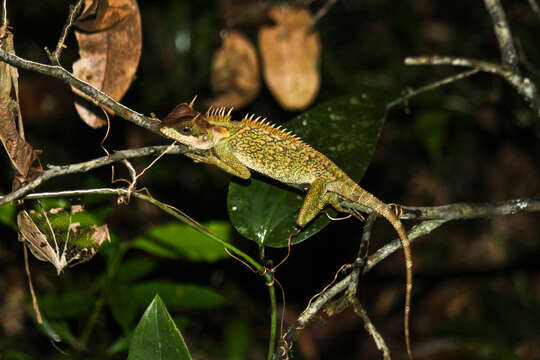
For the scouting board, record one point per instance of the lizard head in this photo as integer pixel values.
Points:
(186, 126)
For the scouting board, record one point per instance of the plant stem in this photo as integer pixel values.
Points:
(273, 318)
(100, 302)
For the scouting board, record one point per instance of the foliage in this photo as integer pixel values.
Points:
(346, 130)
(475, 140)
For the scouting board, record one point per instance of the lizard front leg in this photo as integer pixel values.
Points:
(235, 168)
(229, 162)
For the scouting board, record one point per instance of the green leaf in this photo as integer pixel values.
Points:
(134, 269)
(123, 309)
(7, 214)
(174, 241)
(124, 301)
(178, 295)
(67, 304)
(346, 130)
(120, 345)
(431, 129)
(238, 339)
(58, 331)
(156, 337)
(14, 355)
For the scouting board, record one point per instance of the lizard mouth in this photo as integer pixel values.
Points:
(197, 142)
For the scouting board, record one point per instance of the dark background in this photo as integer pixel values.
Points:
(477, 282)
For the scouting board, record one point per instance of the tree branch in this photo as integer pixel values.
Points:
(59, 170)
(74, 10)
(535, 8)
(438, 215)
(523, 85)
(99, 98)
(433, 85)
(504, 36)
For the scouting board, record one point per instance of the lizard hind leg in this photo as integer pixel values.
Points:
(334, 201)
(317, 198)
(315, 201)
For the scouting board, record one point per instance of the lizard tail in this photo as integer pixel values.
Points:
(363, 197)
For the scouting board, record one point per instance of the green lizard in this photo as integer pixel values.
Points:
(238, 147)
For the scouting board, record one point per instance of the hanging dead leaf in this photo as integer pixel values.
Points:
(9, 75)
(56, 237)
(21, 154)
(110, 42)
(290, 56)
(235, 72)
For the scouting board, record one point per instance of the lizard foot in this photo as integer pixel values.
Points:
(397, 209)
(357, 214)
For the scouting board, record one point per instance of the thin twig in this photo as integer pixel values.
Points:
(432, 86)
(55, 171)
(97, 96)
(164, 207)
(74, 11)
(535, 8)
(35, 304)
(350, 294)
(320, 14)
(504, 36)
(361, 257)
(439, 216)
(471, 210)
(424, 228)
(523, 85)
(370, 328)
(4, 13)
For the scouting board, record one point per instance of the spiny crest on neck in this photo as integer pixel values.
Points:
(263, 123)
(218, 114)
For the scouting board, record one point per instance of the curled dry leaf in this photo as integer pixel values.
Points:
(110, 42)
(55, 237)
(9, 76)
(235, 72)
(290, 56)
(21, 154)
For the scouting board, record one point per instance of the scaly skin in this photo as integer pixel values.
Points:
(251, 144)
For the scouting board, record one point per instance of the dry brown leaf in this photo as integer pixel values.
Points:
(8, 74)
(235, 72)
(53, 237)
(30, 234)
(101, 234)
(19, 151)
(21, 154)
(290, 57)
(101, 15)
(110, 48)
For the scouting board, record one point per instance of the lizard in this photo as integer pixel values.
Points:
(254, 144)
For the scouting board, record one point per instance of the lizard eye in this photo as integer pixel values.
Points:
(186, 130)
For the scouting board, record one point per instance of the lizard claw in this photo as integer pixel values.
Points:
(397, 209)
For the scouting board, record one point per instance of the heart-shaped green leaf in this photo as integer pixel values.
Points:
(346, 130)
(156, 337)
